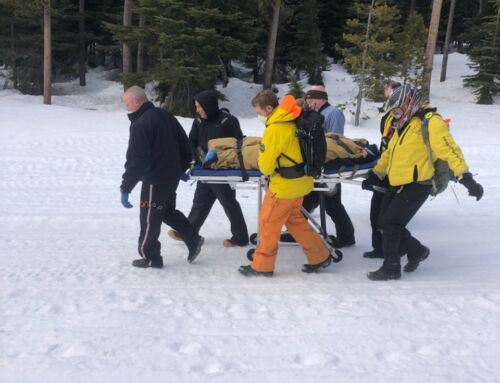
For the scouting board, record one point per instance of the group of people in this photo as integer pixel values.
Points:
(160, 152)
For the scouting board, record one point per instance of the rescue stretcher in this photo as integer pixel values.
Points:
(254, 179)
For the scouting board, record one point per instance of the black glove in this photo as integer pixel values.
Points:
(371, 181)
(475, 189)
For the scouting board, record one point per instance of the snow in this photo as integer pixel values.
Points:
(73, 309)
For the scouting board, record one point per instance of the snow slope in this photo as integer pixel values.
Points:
(73, 309)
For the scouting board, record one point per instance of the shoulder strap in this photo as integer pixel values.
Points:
(244, 173)
(425, 135)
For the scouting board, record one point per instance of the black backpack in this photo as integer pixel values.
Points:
(312, 141)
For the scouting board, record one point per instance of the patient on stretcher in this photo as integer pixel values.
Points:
(230, 153)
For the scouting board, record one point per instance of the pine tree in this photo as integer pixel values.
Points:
(484, 52)
(332, 17)
(410, 49)
(186, 42)
(381, 64)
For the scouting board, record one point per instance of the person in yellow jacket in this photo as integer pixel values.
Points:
(287, 186)
(386, 132)
(406, 166)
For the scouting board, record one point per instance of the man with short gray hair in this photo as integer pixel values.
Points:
(158, 154)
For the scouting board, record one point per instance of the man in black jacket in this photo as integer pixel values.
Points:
(214, 123)
(158, 154)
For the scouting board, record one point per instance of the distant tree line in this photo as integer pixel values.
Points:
(185, 46)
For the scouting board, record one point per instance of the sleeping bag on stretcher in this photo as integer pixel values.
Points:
(223, 153)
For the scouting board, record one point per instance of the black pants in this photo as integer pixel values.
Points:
(335, 209)
(399, 205)
(204, 198)
(376, 204)
(157, 206)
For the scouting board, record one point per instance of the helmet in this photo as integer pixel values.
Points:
(403, 103)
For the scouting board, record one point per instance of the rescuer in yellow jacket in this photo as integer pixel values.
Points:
(287, 187)
(406, 166)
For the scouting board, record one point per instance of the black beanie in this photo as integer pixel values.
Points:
(316, 94)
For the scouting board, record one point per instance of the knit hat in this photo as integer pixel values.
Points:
(316, 94)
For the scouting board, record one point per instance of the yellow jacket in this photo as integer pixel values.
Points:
(405, 160)
(279, 138)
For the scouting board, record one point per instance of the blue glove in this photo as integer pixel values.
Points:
(210, 158)
(125, 202)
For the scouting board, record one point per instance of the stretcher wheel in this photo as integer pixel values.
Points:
(253, 238)
(250, 254)
(338, 257)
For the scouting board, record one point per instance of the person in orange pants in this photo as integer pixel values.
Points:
(278, 158)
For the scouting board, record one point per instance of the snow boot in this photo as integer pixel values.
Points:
(384, 274)
(174, 235)
(144, 263)
(194, 247)
(411, 266)
(339, 243)
(287, 238)
(232, 243)
(247, 271)
(307, 268)
(373, 254)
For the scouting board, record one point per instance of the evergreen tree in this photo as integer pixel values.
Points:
(186, 42)
(332, 17)
(381, 64)
(484, 51)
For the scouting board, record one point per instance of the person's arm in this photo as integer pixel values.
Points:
(380, 168)
(444, 147)
(185, 150)
(194, 140)
(270, 150)
(138, 158)
(234, 128)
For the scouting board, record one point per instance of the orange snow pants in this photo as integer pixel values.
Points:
(275, 213)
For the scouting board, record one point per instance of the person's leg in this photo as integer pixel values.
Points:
(310, 203)
(151, 216)
(173, 217)
(273, 215)
(227, 198)
(398, 208)
(203, 201)
(376, 203)
(314, 249)
(338, 213)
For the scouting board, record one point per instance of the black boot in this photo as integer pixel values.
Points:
(375, 253)
(194, 247)
(307, 268)
(412, 265)
(384, 274)
(144, 263)
(247, 271)
(339, 243)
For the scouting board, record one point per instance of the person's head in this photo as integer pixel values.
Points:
(316, 97)
(403, 103)
(133, 98)
(265, 102)
(206, 105)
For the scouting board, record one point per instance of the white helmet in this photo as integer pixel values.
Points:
(403, 103)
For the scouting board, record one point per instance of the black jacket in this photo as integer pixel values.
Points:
(158, 148)
(219, 123)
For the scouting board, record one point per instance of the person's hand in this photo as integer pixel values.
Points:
(475, 189)
(371, 181)
(125, 202)
(210, 158)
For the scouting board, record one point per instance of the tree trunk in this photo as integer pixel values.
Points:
(363, 66)
(413, 5)
(444, 65)
(271, 45)
(140, 48)
(127, 52)
(496, 30)
(431, 47)
(13, 58)
(81, 38)
(47, 53)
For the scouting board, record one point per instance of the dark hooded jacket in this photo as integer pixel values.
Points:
(158, 149)
(219, 123)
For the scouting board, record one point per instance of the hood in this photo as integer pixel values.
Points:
(286, 111)
(209, 103)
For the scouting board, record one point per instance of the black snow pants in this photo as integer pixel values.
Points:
(157, 206)
(204, 198)
(335, 209)
(399, 206)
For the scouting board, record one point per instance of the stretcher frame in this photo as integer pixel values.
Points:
(326, 183)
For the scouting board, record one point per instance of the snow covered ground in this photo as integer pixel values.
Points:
(73, 309)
